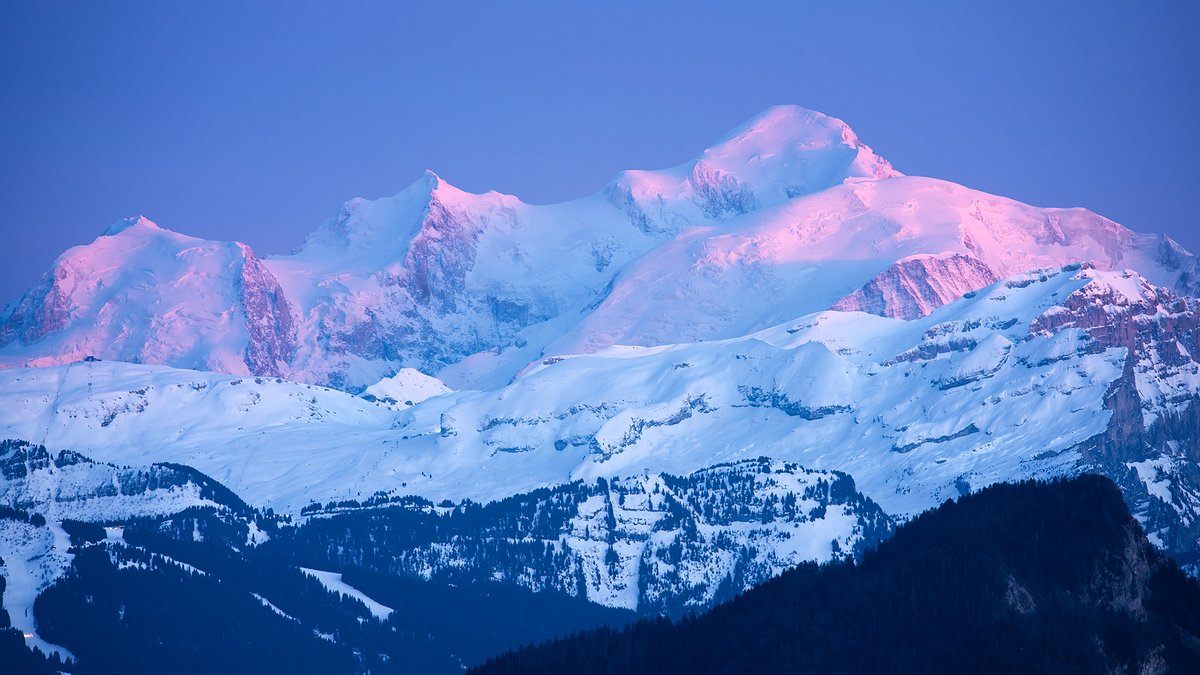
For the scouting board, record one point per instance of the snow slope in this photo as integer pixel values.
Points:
(332, 581)
(897, 247)
(788, 214)
(838, 379)
(257, 436)
(1013, 381)
(1045, 373)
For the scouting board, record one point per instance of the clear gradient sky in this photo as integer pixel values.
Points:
(230, 121)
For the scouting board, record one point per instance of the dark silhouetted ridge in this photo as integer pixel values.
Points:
(1029, 577)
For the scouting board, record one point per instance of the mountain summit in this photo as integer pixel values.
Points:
(1028, 578)
(784, 152)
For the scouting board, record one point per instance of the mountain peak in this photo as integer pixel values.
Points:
(785, 119)
(429, 182)
(783, 152)
(430, 187)
(383, 227)
(131, 222)
(786, 134)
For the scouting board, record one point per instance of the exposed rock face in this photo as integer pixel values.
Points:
(440, 256)
(1151, 444)
(916, 286)
(719, 194)
(425, 297)
(272, 335)
(41, 311)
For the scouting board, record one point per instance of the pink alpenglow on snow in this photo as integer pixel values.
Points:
(788, 214)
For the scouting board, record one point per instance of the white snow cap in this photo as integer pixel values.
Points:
(126, 223)
(784, 152)
(406, 388)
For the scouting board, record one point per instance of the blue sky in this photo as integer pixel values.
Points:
(254, 123)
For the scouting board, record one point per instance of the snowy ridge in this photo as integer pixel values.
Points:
(1016, 380)
(257, 436)
(784, 152)
(921, 407)
(71, 486)
(788, 214)
(661, 543)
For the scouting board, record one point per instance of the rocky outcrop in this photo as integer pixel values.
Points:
(40, 311)
(720, 195)
(914, 287)
(72, 486)
(1150, 445)
(271, 341)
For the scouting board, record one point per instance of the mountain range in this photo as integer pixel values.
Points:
(651, 398)
(787, 215)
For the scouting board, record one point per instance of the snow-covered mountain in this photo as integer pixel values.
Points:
(144, 294)
(649, 397)
(787, 215)
(1049, 372)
